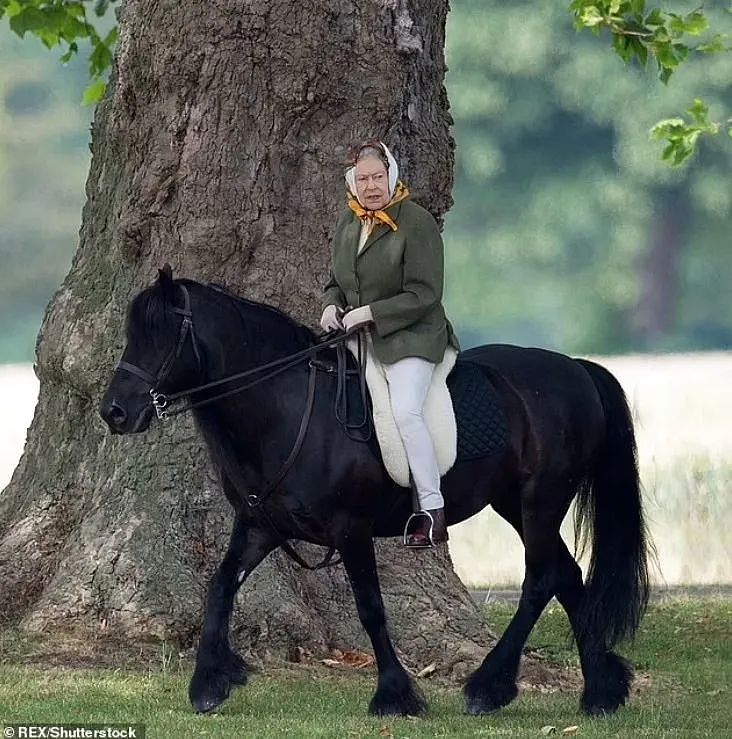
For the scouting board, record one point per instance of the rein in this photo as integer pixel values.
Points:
(162, 402)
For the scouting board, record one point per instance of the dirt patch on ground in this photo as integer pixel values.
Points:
(85, 651)
(71, 650)
(542, 676)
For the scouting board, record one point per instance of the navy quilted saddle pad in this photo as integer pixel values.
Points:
(481, 421)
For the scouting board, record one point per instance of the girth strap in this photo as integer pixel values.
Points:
(255, 501)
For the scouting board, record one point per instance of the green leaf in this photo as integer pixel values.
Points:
(12, 7)
(621, 44)
(665, 55)
(682, 137)
(28, 19)
(696, 23)
(74, 28)
(94, 92)
(675, 25)
(76, 10)
(99, 59)
(654, 18)
(638, 6)
(713, 46)
(681, 51)
(111, 37)
(73, 49)
(662, 128)
(48, 38)
(591, 16)
(681, 155)
(640, 49)
(661, 35)
(699, 112)
(668, 151)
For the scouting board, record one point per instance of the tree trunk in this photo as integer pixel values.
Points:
(218, 148)
(660, 281)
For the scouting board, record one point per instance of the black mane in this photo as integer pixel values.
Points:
(278, 326)
(264, 324)
(148, 312)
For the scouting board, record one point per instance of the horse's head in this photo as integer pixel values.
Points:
(161, 355)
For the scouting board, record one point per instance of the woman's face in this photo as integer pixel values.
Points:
(372, 183)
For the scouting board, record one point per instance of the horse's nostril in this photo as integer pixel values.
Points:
(117, 413)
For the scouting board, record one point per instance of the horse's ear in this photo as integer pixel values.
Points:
(165, 273)
(165, 279)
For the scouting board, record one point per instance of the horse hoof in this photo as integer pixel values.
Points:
(481, 700)
(398, 698)
(477, 707)
(607, 685)
(205, 705)
(483, 705)
(208, 691)
(601, 707)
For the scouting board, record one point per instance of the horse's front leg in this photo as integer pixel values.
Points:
(217, 666)
(396, 692)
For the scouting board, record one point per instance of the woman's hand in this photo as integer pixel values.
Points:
(331, 318)
(357, 317)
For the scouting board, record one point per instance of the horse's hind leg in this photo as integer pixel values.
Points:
(493, 684)
(607, 676)
(217, 666)
(396, 693)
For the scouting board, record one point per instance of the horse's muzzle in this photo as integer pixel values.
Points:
(119, 419)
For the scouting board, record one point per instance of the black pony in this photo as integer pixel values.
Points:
(570, 435)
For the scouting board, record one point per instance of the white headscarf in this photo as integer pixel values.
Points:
(393, 173)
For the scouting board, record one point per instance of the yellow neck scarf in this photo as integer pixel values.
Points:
(372, 216)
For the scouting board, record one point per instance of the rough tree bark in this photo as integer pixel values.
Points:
(218, 148)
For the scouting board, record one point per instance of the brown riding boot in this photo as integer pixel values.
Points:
(420, 538)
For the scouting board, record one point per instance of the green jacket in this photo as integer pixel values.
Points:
(400, 274)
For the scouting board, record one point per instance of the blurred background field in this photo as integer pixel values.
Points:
(567, 232)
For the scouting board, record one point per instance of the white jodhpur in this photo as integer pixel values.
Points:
(409, 380)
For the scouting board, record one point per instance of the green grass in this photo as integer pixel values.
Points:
(683, 653)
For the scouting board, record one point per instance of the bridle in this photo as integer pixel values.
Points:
(159, 400)
(162, 402)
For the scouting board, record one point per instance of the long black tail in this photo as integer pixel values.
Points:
(609, 508)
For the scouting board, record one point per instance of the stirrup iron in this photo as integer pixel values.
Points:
(418, 515)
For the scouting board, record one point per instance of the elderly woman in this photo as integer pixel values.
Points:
(387, 277)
